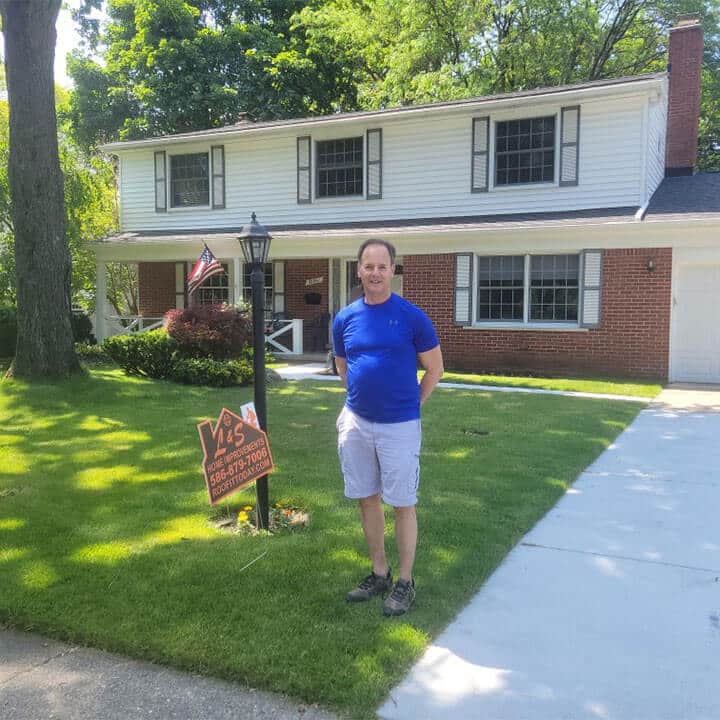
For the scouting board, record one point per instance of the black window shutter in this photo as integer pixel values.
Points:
(218, 176)
(479, 165)
(374, 164)
(569, 145)
(304, 170)
(160, 182)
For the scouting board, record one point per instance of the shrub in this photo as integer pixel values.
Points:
(91, 354)
(82, 328)
(217, 373)
(152, 353)
(8, 330)
(215, 331)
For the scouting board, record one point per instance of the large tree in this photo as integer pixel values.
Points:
(43, 266)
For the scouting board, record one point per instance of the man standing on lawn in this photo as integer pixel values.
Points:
(378, 341)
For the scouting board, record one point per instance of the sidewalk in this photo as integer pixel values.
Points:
(610, 607)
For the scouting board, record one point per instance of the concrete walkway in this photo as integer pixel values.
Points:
(610, 606)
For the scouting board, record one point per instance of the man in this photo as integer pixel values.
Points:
(378, 341)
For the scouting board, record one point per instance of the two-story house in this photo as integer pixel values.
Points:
(552, 230)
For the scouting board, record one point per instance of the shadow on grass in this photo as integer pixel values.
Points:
(104, 537)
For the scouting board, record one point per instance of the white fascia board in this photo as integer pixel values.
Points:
(649, 87)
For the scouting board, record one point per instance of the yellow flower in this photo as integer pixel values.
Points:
(278, 505)
(248, 507)
(242, 516)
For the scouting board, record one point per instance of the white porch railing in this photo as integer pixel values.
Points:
(292, 336)
(283, 336)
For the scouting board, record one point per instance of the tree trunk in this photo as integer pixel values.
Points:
(44, 331)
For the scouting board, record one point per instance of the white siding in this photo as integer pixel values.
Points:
(657, 128)
(425, 169)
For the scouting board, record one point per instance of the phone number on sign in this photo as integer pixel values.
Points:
(243, 467)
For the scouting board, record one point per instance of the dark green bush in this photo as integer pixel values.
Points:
(152, 353)
(82, 328)
(91, 354)
(216, 373)
(8, 330)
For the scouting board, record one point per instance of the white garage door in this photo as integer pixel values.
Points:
(696, 325)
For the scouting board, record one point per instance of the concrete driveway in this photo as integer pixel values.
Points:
(610, 606)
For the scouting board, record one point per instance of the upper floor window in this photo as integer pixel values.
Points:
(525, 151)
(339, 167)
(189, 180)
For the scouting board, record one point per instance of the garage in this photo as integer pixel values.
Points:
(695, 347)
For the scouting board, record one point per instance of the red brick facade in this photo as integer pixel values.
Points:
(632, 340)
(297, 272)
(156, 288)
(685, 56)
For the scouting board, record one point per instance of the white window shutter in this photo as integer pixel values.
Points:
(480, 141)
(304, 170)
(218, 176)
(591, 288)
(463, 289)
(278, 286)
(569, 145)
(160, 182)
(374, 164)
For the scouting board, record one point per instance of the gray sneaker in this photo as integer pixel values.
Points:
(401, 598)
(371, 586)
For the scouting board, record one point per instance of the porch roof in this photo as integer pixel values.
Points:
(691, 197)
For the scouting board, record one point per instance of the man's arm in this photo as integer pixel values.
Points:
(432, 362)
(341, 365)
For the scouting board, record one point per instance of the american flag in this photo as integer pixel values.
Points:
(206, 266)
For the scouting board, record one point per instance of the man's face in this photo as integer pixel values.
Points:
(375, 271)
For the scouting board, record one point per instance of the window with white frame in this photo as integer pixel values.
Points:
(215, 290)
(190, 180)
(267, 284)
(528, 288)
(339, 167)
(525, 151)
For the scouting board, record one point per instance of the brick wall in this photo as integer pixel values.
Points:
(296, 273)
(685, 58)
(156, 288)
(632, 340)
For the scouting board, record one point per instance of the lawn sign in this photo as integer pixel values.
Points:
(236, 452)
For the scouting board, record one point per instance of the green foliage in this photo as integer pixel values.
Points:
(8, 331)
(82, 327)
(91, 354)
(215, 373)
(152, 354)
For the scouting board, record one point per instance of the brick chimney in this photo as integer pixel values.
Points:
(685, 59)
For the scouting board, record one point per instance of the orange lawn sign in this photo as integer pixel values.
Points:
(235, 454)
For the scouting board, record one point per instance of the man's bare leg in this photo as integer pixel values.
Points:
(406, 538)
(373, 523)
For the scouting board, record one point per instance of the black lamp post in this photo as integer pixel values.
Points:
(255, 243)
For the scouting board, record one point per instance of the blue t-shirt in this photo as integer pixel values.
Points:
(380, 344)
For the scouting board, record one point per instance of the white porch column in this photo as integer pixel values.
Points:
(100, 301)
(237, 280)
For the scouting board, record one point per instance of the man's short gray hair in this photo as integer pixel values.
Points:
(377, 241)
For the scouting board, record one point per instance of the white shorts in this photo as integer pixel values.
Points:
(379, 458)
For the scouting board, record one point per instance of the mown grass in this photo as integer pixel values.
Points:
(104, 537)
(605, 386)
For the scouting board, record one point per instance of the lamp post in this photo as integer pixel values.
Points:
(255, 243)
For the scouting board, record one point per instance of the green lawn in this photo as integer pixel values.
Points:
(104, 537)
(606, 386)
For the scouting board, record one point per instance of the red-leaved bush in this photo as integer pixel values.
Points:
(215, 331)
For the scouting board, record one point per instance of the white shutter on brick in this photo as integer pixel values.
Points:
(463, 289)
(591, 288)
(374, 164)
(304, 170)
(569, 144)
(160, 182)
(479, 169)
(278, 286)
(218, 177)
